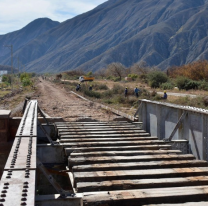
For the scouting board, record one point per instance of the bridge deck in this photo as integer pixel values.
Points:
(120, 164)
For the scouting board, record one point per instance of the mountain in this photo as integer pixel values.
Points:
(160, 32)
(21, 37)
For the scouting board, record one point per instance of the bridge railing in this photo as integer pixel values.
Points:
(17, 185)
(180, 125)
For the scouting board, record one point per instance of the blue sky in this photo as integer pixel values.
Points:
(16, 14)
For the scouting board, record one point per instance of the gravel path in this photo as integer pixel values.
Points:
(56, 102)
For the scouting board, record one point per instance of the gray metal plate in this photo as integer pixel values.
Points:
(28, 124)
(17, 190)
(22, 154)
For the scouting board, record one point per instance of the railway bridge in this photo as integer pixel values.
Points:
(158, 159)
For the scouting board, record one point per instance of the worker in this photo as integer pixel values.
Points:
(136, 91)
(165, 96)
(126, 92)
(90, 88)
(78, 87)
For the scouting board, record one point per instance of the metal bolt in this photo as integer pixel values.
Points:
(3, 195)
(25, 190)
(24, 194)
(25, 186)
(25, 183)
(2, 200)
(8, 177)
(6, 183)
(4, 191)
(24, 199)
(5, 188)
(24, 203)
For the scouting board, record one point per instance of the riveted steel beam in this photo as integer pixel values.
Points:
(22, 154)
(28, 125)
(17, 188)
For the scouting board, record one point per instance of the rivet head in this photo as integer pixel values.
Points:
(24, 199)
(2, 200)
(6, 183)
(24, 203)
(4, 191)
(24, 194)
(3, 195)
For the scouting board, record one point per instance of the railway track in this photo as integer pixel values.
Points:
(108, 164)
(118, 163)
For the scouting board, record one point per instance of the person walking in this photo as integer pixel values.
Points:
(78, 87)
(126, 92)
(136, 91)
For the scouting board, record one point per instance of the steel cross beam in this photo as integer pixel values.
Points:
(63, 193)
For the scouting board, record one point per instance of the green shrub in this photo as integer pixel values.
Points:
(24, 75)
(203, 85)
(167, 85)
(26, 82)
(192, 85)
(108, 101)
(100, 87)
(187, 84)
(118, 99)
(117, 89)
(133, 76)
(156, 78)
(107, 94)
(92, 94)
(7, 78)
(103, 87)
(116, 79)
(181, 82)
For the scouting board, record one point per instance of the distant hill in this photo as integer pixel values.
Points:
(160, 32)
(21, 38)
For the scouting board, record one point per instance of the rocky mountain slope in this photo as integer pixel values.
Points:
(20, 38)
(160, 32)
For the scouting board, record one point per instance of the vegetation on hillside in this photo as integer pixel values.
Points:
(188, 77)
(13, 84)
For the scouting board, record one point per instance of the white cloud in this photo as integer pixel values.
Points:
(15, 14)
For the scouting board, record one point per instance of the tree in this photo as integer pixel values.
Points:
(140, 68)
(101, 73)
(116, 69)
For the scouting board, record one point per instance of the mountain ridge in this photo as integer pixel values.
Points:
(160, 32)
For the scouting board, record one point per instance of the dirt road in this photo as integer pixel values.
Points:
(56, 102)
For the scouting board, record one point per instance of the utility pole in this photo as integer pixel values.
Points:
(18, 64)
(11, 46)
